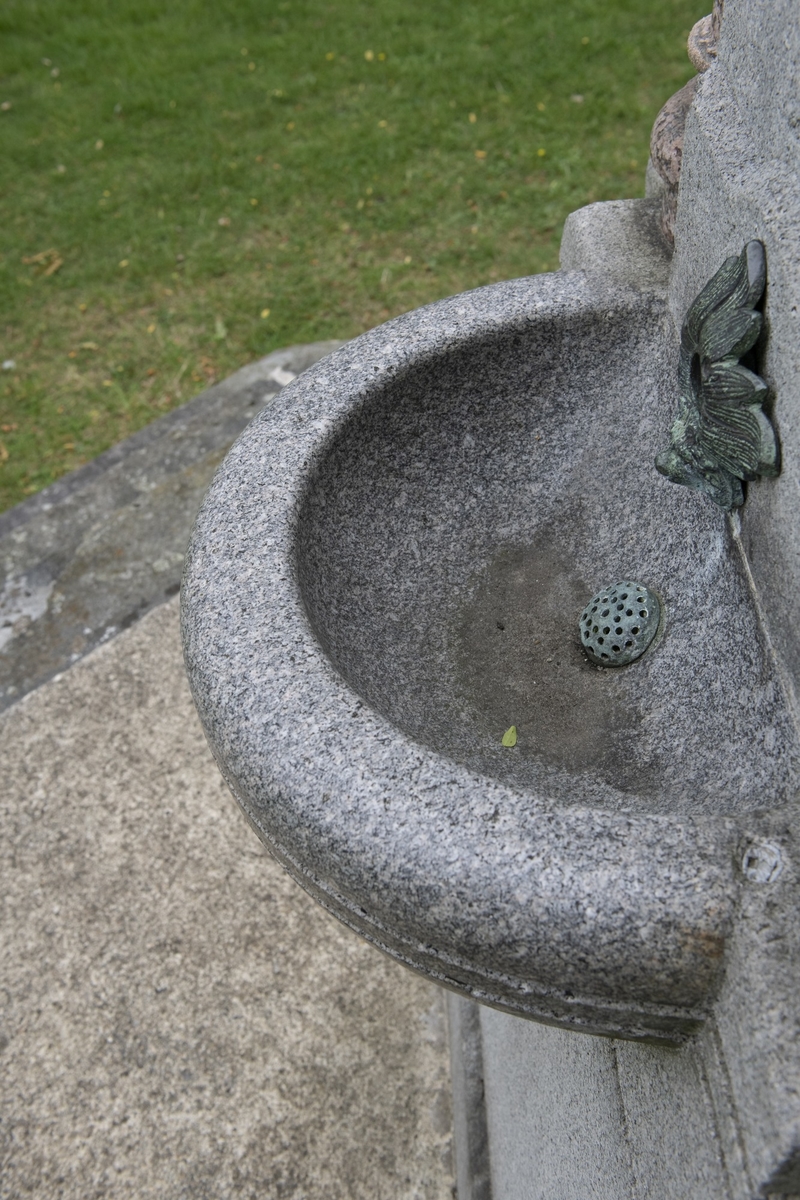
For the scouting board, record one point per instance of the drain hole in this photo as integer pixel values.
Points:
(630, 641)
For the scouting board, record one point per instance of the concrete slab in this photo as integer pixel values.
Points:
(89, 555)
(178, 1019)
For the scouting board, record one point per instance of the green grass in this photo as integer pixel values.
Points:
(180, 169)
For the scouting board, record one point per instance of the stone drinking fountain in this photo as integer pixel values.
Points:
(395, 607)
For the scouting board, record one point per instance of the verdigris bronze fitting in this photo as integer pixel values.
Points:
(620, 623)
(722, 437)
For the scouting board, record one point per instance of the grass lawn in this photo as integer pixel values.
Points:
(188, 186)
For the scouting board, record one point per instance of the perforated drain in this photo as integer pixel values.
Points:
(619, 623)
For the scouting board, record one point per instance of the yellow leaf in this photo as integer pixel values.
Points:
(510, 736)
(264, 314)
(42, 256)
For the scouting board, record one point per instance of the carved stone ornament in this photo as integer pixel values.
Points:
(703, 39)
(666, 140)
(721, 436)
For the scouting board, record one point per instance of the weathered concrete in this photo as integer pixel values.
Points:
(578, 1118)
(178, 1019)
(91, 554)
(470, 1133)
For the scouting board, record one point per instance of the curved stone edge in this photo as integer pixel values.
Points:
(654, 896)
(593, 1014)
(621, 240)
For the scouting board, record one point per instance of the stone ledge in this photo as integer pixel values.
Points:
(620, 240)
(89, 555)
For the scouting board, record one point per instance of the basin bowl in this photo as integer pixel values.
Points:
(388, 572)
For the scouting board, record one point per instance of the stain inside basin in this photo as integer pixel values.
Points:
(454, 530)
(516, 657)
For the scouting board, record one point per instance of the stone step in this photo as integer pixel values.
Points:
(89, 555)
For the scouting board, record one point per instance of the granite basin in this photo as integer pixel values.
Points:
(387, 573)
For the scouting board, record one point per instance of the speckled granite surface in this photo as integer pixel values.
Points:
(336, 597)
